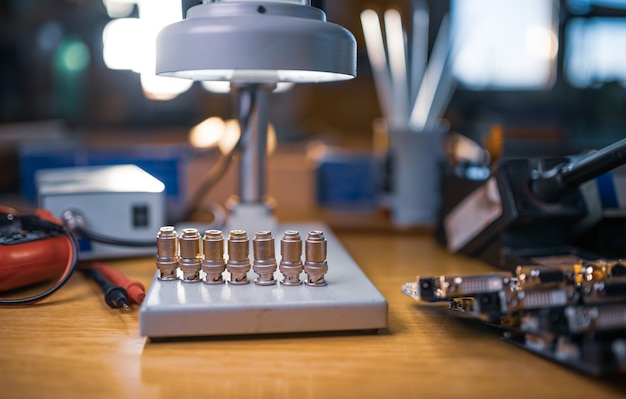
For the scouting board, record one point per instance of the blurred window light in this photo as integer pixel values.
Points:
(230, 138)
(121, 39)
(119, 8)
(504, 44)
(207, 133)
(163, 88)
(221, 87)
(595, 51)
(232, 133)
(130, 44)
(225, 135)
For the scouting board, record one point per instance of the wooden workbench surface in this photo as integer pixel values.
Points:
(74, 346)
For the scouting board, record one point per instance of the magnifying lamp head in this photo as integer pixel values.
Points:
(256, 42)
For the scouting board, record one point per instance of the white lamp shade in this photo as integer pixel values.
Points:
(251, 42)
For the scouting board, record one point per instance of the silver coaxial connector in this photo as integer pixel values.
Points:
(190, 256)
(315, 265)
(264, 258)
(238, 263)
(213, 263)
(291, 258)
(167, 253)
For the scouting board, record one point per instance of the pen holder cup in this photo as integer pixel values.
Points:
(415, 176)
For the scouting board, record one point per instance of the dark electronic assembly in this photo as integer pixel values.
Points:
(530, 210)
(573, 314)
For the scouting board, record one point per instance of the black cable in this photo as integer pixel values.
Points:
(104, 239)
(215, 174)
(220, 168)
(114, 295)
(75, 221)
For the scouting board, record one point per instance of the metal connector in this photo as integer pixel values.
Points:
(213, 263)
(190, 256)
(264, 258)
(291, 258)
(238, 263)
(315, 265)
(167, 253)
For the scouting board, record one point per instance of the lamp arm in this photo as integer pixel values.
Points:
(252, 99)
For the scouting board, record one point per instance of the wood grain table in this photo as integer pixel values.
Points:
(74, 346)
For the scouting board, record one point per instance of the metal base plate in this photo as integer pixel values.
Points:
(349, 302)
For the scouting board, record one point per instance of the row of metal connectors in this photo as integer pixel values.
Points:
(190, 253)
